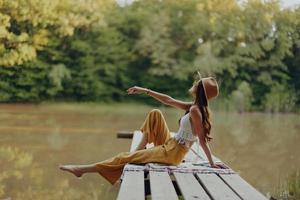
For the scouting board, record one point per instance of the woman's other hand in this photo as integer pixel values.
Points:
(219, 166)
(136, 90)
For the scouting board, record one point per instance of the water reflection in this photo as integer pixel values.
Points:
(56, 140)
(290, 187)
(262, 147)
(34, 140)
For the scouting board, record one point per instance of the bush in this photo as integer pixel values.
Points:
(242, 97)
(280, 99)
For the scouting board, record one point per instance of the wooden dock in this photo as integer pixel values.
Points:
(193, 179)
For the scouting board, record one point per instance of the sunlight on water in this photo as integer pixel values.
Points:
(35, 139)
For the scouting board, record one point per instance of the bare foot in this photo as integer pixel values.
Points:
(73, 169)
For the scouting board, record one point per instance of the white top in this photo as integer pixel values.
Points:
(185, 134)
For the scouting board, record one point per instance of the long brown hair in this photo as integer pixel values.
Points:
(202, 104)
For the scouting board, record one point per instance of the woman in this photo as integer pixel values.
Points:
(167, 150)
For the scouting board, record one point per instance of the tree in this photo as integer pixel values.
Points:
(26, 26)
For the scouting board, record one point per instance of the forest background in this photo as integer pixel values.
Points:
(93, 50)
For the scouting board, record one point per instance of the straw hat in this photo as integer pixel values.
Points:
(211, 87)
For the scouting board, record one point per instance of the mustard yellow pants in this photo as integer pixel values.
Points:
(166, 150)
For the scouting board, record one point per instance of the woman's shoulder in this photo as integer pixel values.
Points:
(194, 108)
(195, 111)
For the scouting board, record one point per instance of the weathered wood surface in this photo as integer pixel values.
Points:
(135, 141)
(125, 134)
(241, 187)
(191, 186)
(216, 187)
(137, 137)
(132, 186)
(161, 186)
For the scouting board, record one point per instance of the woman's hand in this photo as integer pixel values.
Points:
(136, 90)
(219, 166)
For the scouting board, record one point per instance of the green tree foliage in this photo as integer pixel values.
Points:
(280, 98)
(242, 97)
(24, 83)
(26, 25)
(94, 50)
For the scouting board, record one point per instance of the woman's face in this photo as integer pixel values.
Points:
(193, 89)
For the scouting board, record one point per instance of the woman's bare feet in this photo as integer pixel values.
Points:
(73, 169)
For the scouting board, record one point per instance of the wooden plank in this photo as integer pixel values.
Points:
(197, 148)
(132, 187)
(125, 134)
(190, 187)
(190, 156)
(161, 186)
(216, 187)
(137, 137)
(240, 186)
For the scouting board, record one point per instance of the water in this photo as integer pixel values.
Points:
(35, 139)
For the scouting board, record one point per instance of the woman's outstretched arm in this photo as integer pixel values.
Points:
(163, 98)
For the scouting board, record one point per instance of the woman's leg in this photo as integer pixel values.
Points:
(112, 168)
(155, 129)
(79, 170)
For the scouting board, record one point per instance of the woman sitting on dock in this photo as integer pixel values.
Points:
(167, 150)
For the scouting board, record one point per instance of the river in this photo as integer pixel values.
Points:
(35, 139)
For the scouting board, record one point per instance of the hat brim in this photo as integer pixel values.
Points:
(210, 83)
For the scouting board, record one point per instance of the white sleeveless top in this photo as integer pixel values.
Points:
(185, 134)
